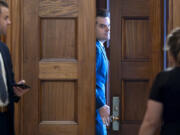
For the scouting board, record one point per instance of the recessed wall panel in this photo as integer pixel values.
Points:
(58, 100)
(135, 94)
(135, 7)
(58, 8)
(136, 38)
(58, 38)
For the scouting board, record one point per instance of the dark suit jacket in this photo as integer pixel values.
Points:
(10, 82)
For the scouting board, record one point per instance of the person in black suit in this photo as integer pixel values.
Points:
(8, 92)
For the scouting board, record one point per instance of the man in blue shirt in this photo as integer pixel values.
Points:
(102, 35)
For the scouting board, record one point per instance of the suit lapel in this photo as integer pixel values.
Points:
(4, 59)
(103, 50)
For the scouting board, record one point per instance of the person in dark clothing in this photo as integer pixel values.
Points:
(163, 106)
(8, 92)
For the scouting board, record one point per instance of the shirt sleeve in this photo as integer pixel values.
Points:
(99, 101)
(157, 89)
(12, 81)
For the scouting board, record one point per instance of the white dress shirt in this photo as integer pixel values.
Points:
(5, 81)
(101, 44)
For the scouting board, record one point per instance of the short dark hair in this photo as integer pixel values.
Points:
(3, 4)
(102, 13)
(173, 44)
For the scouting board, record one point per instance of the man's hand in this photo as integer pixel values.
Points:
(19, 91)
(104, 112)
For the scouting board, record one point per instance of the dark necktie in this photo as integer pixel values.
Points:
(3, 92)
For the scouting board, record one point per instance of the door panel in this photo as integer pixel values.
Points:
(134, 54)
(135, 38)
(58, 45)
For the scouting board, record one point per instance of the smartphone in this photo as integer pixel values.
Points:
(22, 86)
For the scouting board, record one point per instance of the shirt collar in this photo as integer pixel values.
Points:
(101, 43)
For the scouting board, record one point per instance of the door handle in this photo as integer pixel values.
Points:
(115, 114)
(114, 118)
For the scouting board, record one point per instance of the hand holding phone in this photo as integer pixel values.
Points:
(22, 86)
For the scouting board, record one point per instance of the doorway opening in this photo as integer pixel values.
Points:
(132, 55)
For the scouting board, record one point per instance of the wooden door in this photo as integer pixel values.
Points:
(101, 4)
(173, 14)
(135, 57)
(58, 38)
